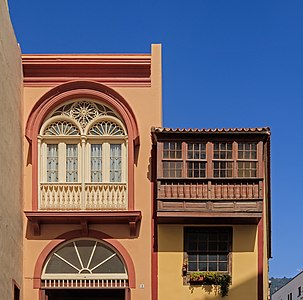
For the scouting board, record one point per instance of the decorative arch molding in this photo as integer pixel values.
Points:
(76, 89)
(73, 90)
(98, 235)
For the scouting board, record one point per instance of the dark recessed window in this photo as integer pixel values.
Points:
(207, 249)
(16, 293)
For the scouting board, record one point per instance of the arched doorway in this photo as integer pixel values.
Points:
(84, 269)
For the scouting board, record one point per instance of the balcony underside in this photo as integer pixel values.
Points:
(190, 217)
(209, 211)
(130, 218)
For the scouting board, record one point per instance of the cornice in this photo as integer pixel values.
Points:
(112, 70)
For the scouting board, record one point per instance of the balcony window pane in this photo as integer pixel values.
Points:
(52, 163)
(247, 169)
(115, 163)
(222, 150)
(71, 163)
(223, 169)
(196, 169)
(96, 163)
(172, 150)
(172, 169)
(247, 151)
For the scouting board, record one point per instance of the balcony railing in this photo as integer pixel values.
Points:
(209, 189)
(210, 197)
(90, 196)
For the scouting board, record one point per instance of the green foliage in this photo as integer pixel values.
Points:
(212, 278)
(277, 283)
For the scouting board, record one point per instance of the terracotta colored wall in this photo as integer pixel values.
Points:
(244, 266)
(10, 157)
(146, 103)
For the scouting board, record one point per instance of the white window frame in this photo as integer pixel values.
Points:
(106, 142)
(61, 142)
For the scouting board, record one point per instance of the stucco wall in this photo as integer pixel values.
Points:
(146, 104)
(10, 157)
(244, 266)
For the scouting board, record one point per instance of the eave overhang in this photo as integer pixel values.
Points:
(162, 133)
(208, 218)
(84, 219)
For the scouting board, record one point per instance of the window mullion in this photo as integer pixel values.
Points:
(82, 171)
(62, 162)
(260, 158)
(124, 160)
(106, 162)
(235, 158)
(42, 154)
(184, 156)
(209, 158)
(86, 163)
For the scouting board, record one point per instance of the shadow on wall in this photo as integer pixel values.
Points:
(246, 290)
(244, 239)
(244, 285)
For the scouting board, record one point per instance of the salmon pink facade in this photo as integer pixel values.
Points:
(87, 192)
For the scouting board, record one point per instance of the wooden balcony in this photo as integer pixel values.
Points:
(232, 200)
(211, 176)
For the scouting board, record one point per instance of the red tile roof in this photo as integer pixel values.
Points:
(265, 130)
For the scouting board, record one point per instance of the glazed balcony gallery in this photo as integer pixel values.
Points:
(211, 172)
(83, 150)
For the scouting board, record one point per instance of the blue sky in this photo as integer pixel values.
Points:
(226, 63)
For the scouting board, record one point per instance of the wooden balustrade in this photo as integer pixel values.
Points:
(209, 190)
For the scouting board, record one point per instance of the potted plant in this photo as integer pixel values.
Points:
(212, 278)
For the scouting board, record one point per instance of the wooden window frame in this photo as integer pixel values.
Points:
(174, 160)
(209, 159)
(226, 160)
(247, 160)
(195, 160)
(208, 230)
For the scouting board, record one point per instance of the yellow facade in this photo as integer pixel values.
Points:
(244, 265)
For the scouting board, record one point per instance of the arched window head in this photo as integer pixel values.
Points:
(85, 260)
(84, 111)
(83, 164)
(64, 128)
(106, 128)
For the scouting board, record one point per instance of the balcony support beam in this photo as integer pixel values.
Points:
(84, 219)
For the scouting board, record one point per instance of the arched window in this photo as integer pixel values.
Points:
(83, 158)
(83, 263)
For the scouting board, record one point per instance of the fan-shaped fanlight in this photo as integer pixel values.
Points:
(61, 128)
(106, 128)
(85, 259)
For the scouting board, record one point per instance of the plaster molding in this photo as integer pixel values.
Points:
(112, 70)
